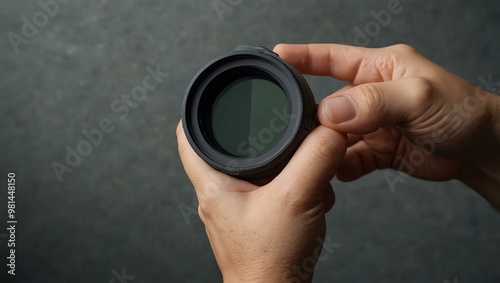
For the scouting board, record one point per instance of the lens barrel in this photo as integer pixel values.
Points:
(247, 112)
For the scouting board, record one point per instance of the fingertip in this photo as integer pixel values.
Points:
(329, 113)
(367, 107)
(340, 109)
(337, 109)
(284, 50)
(192, 163)
(181, 139)
(179, 130)
(279, 48)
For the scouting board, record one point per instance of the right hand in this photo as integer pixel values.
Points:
(405, 112)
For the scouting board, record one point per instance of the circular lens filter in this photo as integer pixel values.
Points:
(247, 112)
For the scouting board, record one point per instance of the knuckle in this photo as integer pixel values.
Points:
(423, 90)
(203, 211)
(205, 205)
(403, 49)
(393, 62)
(209, 196)
(372, 97)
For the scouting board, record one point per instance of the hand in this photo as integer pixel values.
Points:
(264, 233)
(403, 111)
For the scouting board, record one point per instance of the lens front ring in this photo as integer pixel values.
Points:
(298, 115)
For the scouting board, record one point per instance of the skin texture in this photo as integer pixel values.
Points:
(411, 115)
(264, 233)
(403, 111)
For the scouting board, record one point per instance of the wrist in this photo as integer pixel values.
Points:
(271, 279)
(271, 273)
(258, 277)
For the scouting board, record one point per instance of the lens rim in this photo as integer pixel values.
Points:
(221, 72)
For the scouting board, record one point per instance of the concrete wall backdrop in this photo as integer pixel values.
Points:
(124, 212)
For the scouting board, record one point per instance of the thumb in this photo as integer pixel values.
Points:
(365, 108)
(313, 165)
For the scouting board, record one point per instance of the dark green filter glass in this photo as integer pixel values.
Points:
(249, 116)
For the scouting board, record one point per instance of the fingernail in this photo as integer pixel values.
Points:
(340, 109)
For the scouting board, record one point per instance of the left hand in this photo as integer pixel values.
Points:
(264, 233)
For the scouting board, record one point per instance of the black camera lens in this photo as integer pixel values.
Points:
(247, 112)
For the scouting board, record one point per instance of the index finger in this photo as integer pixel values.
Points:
(348, 63)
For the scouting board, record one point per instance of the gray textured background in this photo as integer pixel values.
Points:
(120, 208)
